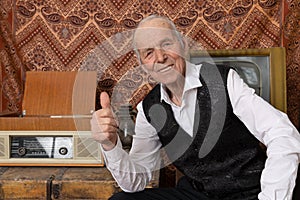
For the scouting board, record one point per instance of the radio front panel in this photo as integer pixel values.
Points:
(49, 148)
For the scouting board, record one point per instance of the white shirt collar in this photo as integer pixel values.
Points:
(191, 81)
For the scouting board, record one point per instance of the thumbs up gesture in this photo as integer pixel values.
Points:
(103, 124)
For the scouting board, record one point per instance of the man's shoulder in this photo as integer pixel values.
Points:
(219, 66)
(213, 70)
(151, 98)
(153, 95)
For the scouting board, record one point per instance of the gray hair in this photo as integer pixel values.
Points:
(149, 18)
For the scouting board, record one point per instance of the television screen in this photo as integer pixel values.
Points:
(254, 70)
(262, 69)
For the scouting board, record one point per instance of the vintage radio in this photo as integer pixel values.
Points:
(54, 128)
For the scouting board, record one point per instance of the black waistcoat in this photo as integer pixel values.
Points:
(222, 157)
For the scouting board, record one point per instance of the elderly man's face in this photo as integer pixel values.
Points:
(161, 52)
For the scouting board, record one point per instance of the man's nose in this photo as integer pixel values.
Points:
(160, 55)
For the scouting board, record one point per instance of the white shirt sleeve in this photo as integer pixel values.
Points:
(133, 171)
(273, 128)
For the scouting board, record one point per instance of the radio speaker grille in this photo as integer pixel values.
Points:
(2, 147)
(87, 147)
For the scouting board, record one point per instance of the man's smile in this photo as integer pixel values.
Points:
(165, 68)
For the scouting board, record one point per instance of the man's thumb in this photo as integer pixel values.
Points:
(104, 100)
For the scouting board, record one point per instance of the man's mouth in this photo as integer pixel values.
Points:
(165, 69)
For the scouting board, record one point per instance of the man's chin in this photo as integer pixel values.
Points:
(166, 80)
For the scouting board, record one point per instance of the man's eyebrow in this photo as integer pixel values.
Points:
(167, 40)
(145, 50)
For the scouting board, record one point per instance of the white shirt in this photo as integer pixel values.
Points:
(270, 126)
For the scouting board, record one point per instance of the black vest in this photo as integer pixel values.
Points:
(222, 157)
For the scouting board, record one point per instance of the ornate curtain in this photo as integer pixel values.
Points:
(11, 86)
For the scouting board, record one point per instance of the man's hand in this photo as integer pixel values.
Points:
(103, 124)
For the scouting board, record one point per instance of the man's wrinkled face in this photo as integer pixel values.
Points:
(161, 51)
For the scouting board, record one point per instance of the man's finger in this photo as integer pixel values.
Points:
(104, 100)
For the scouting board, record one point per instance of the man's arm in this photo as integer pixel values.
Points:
(132, 171)
(275, 131)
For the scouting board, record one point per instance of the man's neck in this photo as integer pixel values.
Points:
(175, 92)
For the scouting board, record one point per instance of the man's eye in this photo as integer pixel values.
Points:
(167, 45)
(148, 54)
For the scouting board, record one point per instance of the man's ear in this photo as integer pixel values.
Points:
(185, 47)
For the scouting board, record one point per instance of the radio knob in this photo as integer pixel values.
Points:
(22, 151)
(63, 151)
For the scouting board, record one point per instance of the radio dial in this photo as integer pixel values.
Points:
(63, 151)
(22, 151)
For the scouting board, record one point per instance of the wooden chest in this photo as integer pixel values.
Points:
(56, 183)
(68, 183)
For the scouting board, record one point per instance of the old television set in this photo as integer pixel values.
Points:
(262, 69)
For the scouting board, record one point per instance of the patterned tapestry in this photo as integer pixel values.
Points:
(66, 35)
(292, 44)
(11, 67)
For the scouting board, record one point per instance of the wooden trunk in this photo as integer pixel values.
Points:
(84, 183)
(56, 183)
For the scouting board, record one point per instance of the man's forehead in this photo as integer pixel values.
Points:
(156, 23)
(152, 35)
(153, 32)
